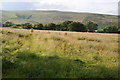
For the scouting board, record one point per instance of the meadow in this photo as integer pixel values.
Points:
(58, 54)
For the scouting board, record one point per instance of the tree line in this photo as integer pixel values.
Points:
(89, 26)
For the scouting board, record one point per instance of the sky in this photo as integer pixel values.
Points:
(92, 6)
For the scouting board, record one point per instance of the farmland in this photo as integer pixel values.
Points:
(58, 54)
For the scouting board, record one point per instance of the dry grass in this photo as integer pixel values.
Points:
(91, 49)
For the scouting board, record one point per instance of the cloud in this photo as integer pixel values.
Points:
(95, 6)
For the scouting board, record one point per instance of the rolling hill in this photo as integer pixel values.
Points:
(57, 17)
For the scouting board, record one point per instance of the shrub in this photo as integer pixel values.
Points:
(100, 31)
(14, 26)
(111, 29)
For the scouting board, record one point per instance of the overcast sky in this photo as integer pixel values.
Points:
(94, 6)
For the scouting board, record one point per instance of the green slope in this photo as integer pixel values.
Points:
(57, 17)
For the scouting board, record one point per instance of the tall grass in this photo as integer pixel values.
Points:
(62, 55)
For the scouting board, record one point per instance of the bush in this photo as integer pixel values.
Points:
(14, 26)
(111, 29)
(100, 31)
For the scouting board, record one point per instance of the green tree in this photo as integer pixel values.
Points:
(27, 26)
(45, 27)
(58, 27)
(38, 26)
(91, 26)
(111, 29)
(64, 25)
(76, 26)
(51, 26)
(8, 24)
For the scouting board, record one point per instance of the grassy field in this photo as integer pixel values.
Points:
(58, 54)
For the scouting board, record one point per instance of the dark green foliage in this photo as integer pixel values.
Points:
(27, 26)
(38, 26)
(111, 29)
(50, 26)
(91, 26)
(45, 27)
(66, 26)
(58, 27)
(77, 26)
(8, 24)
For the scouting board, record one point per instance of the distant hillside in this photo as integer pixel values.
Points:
(57, 17)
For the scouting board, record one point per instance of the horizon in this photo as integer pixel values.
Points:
(64, 11)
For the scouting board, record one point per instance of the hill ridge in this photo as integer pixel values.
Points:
(55, 16)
